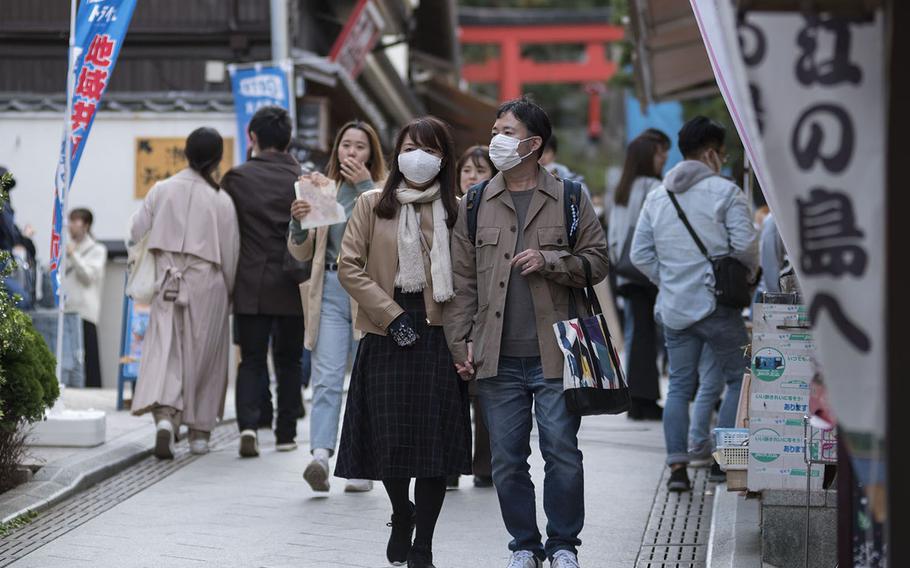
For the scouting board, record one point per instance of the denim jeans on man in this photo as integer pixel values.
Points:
(725, 333)
(330, 360)
(507, 401)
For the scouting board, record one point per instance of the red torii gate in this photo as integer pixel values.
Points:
(511, 70)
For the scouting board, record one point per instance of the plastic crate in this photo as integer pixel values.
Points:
(731, 437)
(734, 458)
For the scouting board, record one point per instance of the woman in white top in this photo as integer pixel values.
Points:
(192, 230)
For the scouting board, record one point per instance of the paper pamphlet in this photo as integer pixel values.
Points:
(325, 209)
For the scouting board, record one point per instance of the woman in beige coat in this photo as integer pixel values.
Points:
(191, 226)
(356, 165)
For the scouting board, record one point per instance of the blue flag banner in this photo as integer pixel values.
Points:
(254, 87)
(100, 29)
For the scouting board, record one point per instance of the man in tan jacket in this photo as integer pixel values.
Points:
(514, 279)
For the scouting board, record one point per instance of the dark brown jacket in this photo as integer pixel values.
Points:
(263, 190)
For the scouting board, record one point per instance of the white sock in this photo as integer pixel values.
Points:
(321, 454)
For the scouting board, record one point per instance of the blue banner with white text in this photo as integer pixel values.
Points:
(255, 87)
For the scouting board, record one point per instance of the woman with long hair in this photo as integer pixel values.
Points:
(645, 160)
(475, 167)
(407, 412)
(192, 231)
(355, 166)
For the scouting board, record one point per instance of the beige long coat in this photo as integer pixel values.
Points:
(193, 232)
(313, 247)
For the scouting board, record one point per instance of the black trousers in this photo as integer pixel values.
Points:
(254, 333)
(92, 359)
(643, 376)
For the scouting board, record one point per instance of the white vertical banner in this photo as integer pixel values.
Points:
(807, 94)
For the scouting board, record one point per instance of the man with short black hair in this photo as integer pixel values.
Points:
(266, 299)
(665, 251)
(514, 272)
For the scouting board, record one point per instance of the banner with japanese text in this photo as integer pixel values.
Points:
(256, 86)
(101, 27)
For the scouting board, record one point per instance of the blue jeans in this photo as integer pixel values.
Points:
(725, 334)
(329, 363)
(507, 401)
(710, 389)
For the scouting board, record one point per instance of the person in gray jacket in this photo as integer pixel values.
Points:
(666, 253)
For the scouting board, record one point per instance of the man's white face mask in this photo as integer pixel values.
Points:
(504, 151)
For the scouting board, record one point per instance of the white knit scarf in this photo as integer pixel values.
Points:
(411, 276)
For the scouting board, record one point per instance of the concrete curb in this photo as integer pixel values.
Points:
(63, 478)
(735, 538)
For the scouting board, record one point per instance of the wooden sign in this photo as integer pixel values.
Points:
(160, 158)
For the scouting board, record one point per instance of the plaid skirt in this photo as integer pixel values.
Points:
(407, 411)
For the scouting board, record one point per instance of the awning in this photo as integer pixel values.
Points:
(470, 115)
(670, 61)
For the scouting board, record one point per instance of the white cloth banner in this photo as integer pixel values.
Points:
(808, 99)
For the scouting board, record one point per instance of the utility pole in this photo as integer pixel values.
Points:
(279, 25)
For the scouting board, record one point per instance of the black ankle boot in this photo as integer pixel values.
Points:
(399, 547)
(420, 558)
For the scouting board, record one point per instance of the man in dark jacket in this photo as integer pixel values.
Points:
(266, 300)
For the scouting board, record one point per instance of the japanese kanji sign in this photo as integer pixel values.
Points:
(160, 158)
(357, 39)
(100, 29)
(254, 87)
(806, 93)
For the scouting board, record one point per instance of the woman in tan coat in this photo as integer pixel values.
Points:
(407, 411)
(191, 226)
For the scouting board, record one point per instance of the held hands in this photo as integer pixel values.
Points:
(354, 171)
(529, 261)
(466, 370)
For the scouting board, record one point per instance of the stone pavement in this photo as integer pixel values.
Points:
(223, 511)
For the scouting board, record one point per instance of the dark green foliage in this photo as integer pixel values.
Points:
(30, 385)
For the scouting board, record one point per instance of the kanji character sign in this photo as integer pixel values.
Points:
(100, 51)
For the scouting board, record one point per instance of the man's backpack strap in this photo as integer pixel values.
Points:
(571, 208)
(571, 201)
(473, 197)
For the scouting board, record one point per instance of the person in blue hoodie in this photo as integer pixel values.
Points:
(686, 307)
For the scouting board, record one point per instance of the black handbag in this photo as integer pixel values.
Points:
(624, 266)
(731, 277)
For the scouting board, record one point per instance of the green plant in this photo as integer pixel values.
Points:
(28, 382)
(22, 520)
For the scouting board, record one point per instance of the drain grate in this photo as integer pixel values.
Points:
(86, 505)
(679, 525)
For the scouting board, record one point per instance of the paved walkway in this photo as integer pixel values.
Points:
(223, 511)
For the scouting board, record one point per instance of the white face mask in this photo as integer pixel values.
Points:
(419, 167)
(504, 152)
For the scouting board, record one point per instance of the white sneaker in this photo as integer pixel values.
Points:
(164, 440)
(564, 559)
(249, 444)
(524, 559)
(358, 486)
(317, 475)
(199, 447)
(286, 447)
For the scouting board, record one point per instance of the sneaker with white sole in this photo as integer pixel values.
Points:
(524, 559)
(564, 559)
(358, 486)
(317, 475)
(701, 457)
(286, 446)
(199, 447)
(249, 444)
(164, 440)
